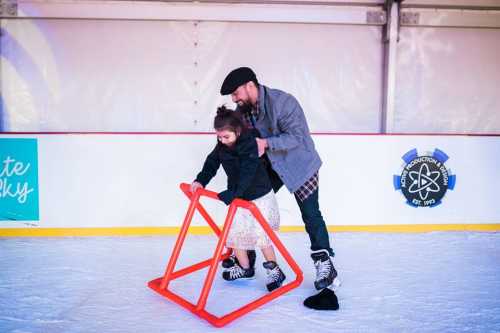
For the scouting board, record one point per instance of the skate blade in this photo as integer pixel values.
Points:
(335, 284)
(241, 279)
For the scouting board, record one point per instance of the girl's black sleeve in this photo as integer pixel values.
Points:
(249, 161)
(210, 168)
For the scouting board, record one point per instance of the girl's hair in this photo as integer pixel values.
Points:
(228, 119)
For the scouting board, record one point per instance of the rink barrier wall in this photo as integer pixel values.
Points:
(107, 184)
(198, 230)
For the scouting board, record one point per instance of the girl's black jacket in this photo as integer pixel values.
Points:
(246, 174)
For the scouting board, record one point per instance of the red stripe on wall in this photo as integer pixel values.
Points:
(211, 133)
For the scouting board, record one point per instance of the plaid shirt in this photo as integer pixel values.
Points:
(308, 188)
(254, 113)
(311, 184)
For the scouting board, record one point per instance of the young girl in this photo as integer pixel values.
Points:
(247, 179)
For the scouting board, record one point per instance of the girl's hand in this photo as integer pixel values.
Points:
(227, 196)
(194, 186)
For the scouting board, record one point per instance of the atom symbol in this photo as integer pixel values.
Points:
(424, 181)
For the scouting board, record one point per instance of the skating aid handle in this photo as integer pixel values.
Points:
(202, 192)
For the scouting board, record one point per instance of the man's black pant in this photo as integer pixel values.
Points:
(311, 215)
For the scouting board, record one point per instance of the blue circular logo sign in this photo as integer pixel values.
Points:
(424, 179)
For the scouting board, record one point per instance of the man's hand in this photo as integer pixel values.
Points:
(261, 146)
(194, 186)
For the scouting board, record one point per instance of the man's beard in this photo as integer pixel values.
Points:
(245, 107)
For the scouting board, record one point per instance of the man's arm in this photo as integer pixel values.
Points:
(292, 125)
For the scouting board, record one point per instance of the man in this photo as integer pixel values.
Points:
(287, 147)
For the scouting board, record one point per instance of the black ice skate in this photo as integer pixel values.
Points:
(237, 272)
(326, 274)
(275, 276)
(232, 260)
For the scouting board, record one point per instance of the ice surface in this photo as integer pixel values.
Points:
(426, 282)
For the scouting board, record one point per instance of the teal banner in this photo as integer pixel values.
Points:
(19, 180)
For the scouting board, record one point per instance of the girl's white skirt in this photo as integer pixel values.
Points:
(246, 233)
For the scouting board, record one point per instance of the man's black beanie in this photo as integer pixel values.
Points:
(236, 78)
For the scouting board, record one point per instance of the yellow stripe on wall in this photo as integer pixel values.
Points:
(197, 230)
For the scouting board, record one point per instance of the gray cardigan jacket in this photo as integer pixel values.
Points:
(291, 149)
